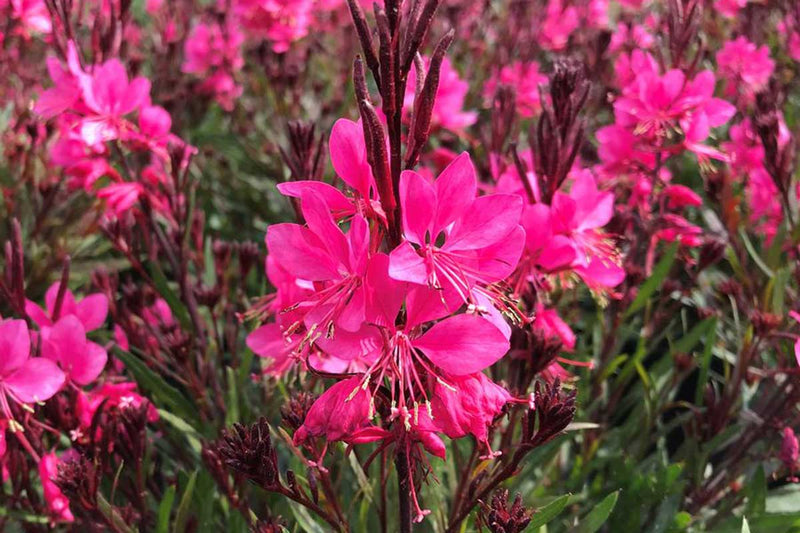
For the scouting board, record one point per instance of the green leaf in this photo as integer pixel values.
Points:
(745, 526)
(654, 282)
(598, 516)
(192, 436)
(757, 493)
(705, 364)
(688, 341)
(174, 303)
(162, 393)
(549, 512)
(186, 503)
(304, 519)
(165, 509)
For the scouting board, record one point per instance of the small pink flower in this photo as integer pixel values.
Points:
(745, 67)
(121, 197)
(453, 239)
(91, 311)
(559, 23)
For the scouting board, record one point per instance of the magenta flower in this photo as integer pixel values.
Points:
(280, 21)
(745, 67)
(91, 311)
(65, 343)
(579, 216)
(467, 406)
(653, 107)
(453, 239)
(323, 255)
(24, 379)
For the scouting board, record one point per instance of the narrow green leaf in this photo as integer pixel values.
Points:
(304, 519)
(165, 509)
(192, 436)
(174, 303)
(757, 493)
(232, 415)
(598, 516)
(184, 507)
(654, 282)
(549, 512)
(686, 343)
(754, 254)
(745, 526)
(705, 364)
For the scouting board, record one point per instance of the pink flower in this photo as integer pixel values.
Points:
(680, 196)
(32, 14)
(468, 406)
(214, 53)
(279, 21)
(558, 25)
(652, 107)
(525, 79)
(90, 311)
(120, 197)
(790, 449)
(448, 110)
(57, 503)
(729, 8)
(65, 343)
(341, 413)
(579, 216)
(745, 67)
(453, 239)
(24, 379)
(323, 255)
(550, 325)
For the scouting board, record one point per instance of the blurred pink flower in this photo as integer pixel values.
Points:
(91, 311)
(57, 503)
(525, 79)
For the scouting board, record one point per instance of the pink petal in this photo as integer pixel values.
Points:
(384, 294)
(348, 155)
(300, 252)
(268, 342)
(89, 365)
(320, 221)
(490, 219)
(418, 198)
(425, 305)
(499, 260)
(463, 344)
(456, 187)
(92, 311)
(35, 381)
(15, 346)
(405, 264)
(336, 200)
(137, 95)
(37, 314)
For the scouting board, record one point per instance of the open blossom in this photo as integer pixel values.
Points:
(24, 379)
(745, 67)
(32, 15)
(214, 53)
(91, 311)
(653, 107)
(280, 21)
(448, 108)
(525, 79)
(453, 239)
(559, 23)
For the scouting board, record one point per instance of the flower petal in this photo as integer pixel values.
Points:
(463, 344)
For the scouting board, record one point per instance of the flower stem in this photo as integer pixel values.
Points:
(403, 490)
